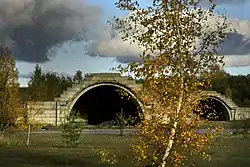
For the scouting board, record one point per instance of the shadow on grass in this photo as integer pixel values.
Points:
(46, 151)
(228, 151)
(39, 157)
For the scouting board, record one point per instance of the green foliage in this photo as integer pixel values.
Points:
(240, 126)
(235, 87)
(46, 86)
(71, 130)
(247, 123)
(37, 88)
(78, 77)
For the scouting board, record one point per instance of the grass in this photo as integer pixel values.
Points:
(229, 151)
(46, 151)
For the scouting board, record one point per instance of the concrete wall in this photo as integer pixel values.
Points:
(53, 113)
(242, 113)
(49, 112)
(46, 111)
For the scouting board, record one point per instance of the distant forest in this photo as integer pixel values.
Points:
(46, 86)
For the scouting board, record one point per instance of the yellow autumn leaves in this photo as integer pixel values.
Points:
(106, 157)
(174, 67)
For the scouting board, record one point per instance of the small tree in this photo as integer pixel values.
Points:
(78, 77)
(37, 86)
(121, 121)
(28, 121)
(71, 130)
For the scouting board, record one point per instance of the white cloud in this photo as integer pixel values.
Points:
(237, 61)
(236, 48)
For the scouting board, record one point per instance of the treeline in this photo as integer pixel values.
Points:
(47, 86)
(235, 87)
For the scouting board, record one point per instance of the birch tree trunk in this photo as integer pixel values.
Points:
(3, 131)
(173, 131)
(171, 137)
(2, 134)
(28, 136)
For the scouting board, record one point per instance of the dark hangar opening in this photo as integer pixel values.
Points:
(212, 109)
(101, 105)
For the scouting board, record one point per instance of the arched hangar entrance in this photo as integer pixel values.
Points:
(214, 109)
(102, 102)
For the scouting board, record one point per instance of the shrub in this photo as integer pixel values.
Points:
(122, 121)
(240, 126)
(247, 124)
(71, 130)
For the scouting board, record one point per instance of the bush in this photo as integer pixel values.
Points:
(71, 130)
(247, 123)
(240, 126)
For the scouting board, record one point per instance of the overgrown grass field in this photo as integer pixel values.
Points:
(46, 150)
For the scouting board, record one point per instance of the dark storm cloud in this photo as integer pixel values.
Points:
(128, 59)
(235, 47)
(235, 44)
(33, 27)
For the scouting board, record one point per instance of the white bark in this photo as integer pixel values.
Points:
(3, 131)
(173, 132)
(171, 137)
(28, 135)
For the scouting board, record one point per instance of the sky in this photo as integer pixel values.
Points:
(89, 20)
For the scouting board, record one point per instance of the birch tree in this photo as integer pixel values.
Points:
(28, 120)
(179, 40)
